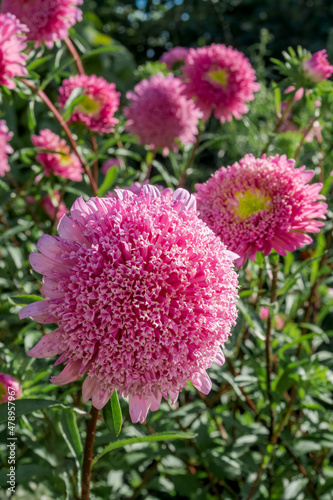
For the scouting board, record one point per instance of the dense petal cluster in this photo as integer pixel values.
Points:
(258, 205)
(5, 147)
(9, 387)
(53, 206)
(62, 162)
(99, 104)
(47, 20)
(143, 293)
(12, 45)
(175, 58)
(221, 80)
(318, 67)
(159, 113)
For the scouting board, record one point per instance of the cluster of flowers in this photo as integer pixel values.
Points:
(140, 283)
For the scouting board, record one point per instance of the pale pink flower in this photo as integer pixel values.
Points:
(144, 296)
(264, 312)
(5, 147)
(111, 162)
(258, 205)
(221, 80)
(9, 388)
(298, 94)
(12, 45)
(318, 68)
(160, 114)
(61, 162)
(99, 105)
(136, 188)
(47, 20)
(279, 322)
(52, 207)
(175, 58)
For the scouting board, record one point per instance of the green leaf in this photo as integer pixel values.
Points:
(162, 436)
(74, 99)
(25, 406)
(38, 62)
(31, 115)
(71, 435)
(109, 180)
(24, 300)
(112, 415)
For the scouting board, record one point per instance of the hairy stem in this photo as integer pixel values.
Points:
(88, 452)
(183, 177)
(75, 55)
(64, 125)
(279, 123)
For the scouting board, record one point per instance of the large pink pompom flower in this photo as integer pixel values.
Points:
(12, 45)
(258, 205)
(143, 293)
(62, 162)
(318, 67)
(221, 80)
(98, 106)
(47, 20)
(175, 58)
(5, 147)
(160, 114)
(10, 388)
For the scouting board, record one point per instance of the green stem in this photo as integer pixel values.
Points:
(183, 177)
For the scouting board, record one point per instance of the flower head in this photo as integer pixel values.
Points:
(221, 80)
(47, 20)
(175, 58)
(143, 293)
(262, 204)
(318, 68)
(12, 45)
(62, 162)
(5, 147)
(9, 388)
(111, 162)
(99, 104)
(160, 114)
(53, 206)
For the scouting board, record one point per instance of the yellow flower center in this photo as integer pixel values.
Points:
(65, 158)
(250, 202)
(89, 106)
(217, 76)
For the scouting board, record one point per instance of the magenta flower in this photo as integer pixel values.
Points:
(175, 58)
(318, 68)
(258, 205)
(100, 102)
(47, 20)
(10, 388)
(62, 162)
(144, 296)
(160, 114)
(221, 80)
(111, 162)
(12, 45)
(5, 147)
(52, 205)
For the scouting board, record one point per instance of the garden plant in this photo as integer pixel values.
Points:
(166, 312)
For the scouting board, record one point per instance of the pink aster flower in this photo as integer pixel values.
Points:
(5, 147)
(12, 45)
(160, 114)
(47, 20)
(98, 106)
(258, 205)
(62, 162)
(221, 80)
(52, 207)
(10, 388)
(175, 58)
(111, 162)
(144, 296)
(318, 68)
